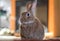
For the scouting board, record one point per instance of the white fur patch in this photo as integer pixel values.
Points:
(28, 22)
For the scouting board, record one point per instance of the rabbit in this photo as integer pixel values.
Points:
(31, 27)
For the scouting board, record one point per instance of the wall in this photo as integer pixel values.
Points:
(42, 14)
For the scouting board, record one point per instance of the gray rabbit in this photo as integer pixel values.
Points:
(31, 27)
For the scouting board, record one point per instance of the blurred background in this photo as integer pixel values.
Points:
(48, 12)
(5, 11)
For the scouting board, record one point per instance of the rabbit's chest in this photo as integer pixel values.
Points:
(27, 29)
(28, 24)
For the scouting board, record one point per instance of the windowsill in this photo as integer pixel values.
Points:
(9, 37)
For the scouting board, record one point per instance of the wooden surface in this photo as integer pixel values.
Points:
(12, 17)
(54, 17)
(37, 40)
(57, 18)
(51, 16)
(17, 35)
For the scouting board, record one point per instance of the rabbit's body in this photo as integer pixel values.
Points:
(31, 27)
(32, 30)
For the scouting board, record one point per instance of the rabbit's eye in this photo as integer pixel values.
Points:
(28, 14)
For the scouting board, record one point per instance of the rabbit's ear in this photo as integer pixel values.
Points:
(34, 7)
(28, 6)
(31, 6)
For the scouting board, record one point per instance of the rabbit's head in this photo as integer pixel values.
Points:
(28, 14)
